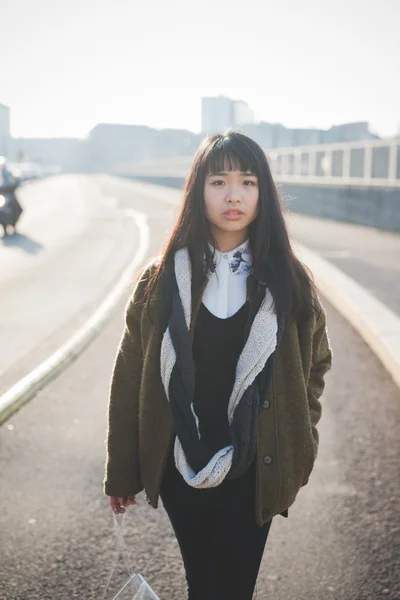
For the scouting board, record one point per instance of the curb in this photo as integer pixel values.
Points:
(26, 388)
(377, 324)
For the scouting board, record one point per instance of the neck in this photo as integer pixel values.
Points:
(226, 241)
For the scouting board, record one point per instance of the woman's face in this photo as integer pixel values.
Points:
(231, 201)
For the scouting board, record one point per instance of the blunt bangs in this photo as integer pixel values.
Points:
(230, 154)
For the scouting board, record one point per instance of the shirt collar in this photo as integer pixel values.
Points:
(239, 259)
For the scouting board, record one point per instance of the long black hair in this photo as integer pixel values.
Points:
(274, 261)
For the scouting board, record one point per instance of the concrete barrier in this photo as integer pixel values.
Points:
(373, 207)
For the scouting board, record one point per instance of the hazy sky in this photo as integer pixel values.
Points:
(66, 66)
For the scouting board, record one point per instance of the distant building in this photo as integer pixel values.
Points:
(307, 137)
(348, 132)
(219, 113)
(4, 130)
(216, 114)
(276, 135)
(69, 153)
(242, 113)
(110, 144)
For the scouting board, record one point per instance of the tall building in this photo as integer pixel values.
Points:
(219, 113)
(4, 130)
(216, 114)
(242, 113)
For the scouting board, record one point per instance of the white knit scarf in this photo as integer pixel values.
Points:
(260, 344)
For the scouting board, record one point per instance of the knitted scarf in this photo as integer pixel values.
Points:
(198, 465)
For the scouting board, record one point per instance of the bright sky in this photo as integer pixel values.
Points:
(69, 65)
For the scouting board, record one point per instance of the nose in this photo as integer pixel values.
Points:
(233, 194)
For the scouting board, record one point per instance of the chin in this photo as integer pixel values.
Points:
(233, 226)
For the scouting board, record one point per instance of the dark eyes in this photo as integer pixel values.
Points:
(247, 182)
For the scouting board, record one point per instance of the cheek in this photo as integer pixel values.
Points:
(209, 203)
(254, 205)
(206, 206)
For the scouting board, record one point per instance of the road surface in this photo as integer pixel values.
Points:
(72, 243)
(341, 540)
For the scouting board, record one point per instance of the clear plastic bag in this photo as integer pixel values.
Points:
(136, 588)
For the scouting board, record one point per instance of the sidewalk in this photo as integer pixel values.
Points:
(369, 256)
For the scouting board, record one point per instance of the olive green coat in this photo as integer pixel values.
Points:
(140, 428)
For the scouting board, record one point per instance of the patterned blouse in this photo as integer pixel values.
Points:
(226, 290)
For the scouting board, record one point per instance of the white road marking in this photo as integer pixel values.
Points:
(27, 387)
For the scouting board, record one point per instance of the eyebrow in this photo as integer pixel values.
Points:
(244, 173)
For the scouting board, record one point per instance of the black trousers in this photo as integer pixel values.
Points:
(220, 541)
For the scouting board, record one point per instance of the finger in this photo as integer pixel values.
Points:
(116, 505)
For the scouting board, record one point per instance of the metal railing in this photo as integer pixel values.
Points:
(372, 163)
(364, 163)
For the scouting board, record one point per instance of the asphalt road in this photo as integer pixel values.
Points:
(369, 256)
(341, 540)
(73, 241)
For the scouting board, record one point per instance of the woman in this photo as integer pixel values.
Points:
(215, 391)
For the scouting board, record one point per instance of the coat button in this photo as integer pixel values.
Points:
(265, 404)
(267, 460)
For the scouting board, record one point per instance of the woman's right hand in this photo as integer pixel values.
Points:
(117, 503)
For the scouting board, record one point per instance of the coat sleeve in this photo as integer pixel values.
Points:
(321, 363)
(122, 473)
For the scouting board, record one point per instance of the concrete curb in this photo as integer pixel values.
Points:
(377, 324)
(27, 387)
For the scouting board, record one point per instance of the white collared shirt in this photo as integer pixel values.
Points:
(226, 290)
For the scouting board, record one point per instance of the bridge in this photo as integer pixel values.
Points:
(358, 182)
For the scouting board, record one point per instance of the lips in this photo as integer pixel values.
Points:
(233, 215)
(233, 212)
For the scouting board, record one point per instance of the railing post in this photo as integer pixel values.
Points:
(393, 149)
(346, 163)
(327, 163)
(313, 163)
(285, 163)
(368, 162)
(297, 162)
(272, 160)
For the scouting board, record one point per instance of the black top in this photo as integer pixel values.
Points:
(217, 345)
